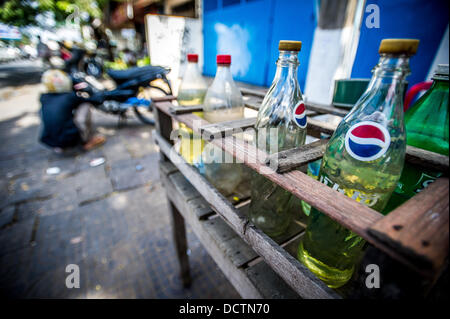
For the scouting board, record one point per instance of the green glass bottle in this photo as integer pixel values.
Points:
(426, 128)
(363, 160)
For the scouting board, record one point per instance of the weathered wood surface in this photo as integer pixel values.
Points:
(319, 108)
(258, 93)
(230, 243)
(163, 98)
(179, 238)
(315, 128)
(251, 104)
(219, 130)
(418, 229)
(287, 160)
(427, 159)
(227, 249)
(346, 211)
(325, 109)
(290, 269)
(185, 109)
(201, 207)
(236, 276)
(265, 280)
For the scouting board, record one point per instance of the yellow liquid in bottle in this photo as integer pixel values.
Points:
(191, 144)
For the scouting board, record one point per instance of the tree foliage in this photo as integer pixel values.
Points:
(23, 12)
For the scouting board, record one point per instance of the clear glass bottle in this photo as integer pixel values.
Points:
(191, 92)
(223, 102)
(278, 127)
(427, 127)
(363, 160)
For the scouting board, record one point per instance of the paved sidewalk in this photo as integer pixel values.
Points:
(112, 220)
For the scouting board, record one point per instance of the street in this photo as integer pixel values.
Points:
(111, 220)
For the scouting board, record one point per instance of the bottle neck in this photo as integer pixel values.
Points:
(287, 65)
(192, 66)
(385, 92)
(223, 73)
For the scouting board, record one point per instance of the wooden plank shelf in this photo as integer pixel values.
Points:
(426, 255)
(419, 228)
(232, 255)
(290, 159)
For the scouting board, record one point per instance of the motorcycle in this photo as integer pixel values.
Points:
(130, 84)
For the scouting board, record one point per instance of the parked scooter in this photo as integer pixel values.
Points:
(128, 82)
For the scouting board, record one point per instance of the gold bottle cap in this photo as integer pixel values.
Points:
(285, 45)
(399, 46)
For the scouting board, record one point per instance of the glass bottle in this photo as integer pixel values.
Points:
(363, 160)
(191, 92)
(427, 127)
(223, 102)
(280, 125)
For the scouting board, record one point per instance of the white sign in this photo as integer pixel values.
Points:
(170, 39)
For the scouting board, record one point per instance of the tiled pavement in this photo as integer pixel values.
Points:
(111, 220)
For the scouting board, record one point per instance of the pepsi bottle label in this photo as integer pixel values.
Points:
(367, 141)
(300, 114)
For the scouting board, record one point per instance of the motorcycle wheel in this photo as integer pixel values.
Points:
(142, 114)
(145, 114)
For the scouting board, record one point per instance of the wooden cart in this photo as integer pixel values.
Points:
(410, 245)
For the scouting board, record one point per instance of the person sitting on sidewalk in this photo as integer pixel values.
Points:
(65, 116)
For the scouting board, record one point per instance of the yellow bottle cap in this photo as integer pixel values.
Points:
(399, 46)
(285, 45)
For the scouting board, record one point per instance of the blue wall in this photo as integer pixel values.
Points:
(256, 27)
(250, 31)
(419, 19)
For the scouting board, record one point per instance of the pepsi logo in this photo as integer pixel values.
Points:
(300, 114)
(367, 141)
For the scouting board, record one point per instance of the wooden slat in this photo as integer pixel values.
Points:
(185, 109)
(287, 160)
(319, 108)
(202, 208)
(291, 270)
(265, 280)
(315, 127)
(230, 243)
(236, 276)
(325, 109)
(163, 98)
(427, 159)
(418, 229)
(228, 250)
(221, 129)
(167, 168)
(257, 93)
(252, 105)
(180, 240)
(227, 128)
